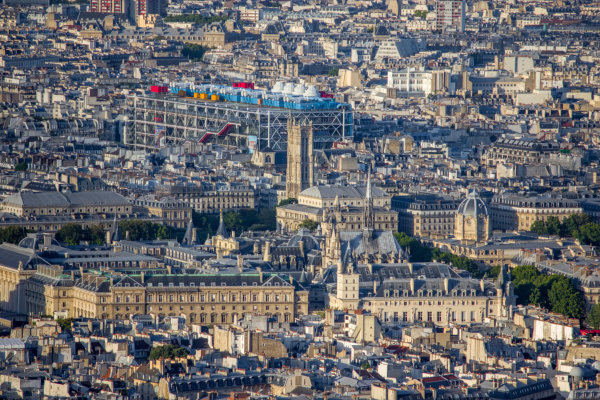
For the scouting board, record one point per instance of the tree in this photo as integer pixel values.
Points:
(333, 72)
(421, 14)
(193, 51)
(524, 273)
(593, 317)
(12, 234)
(539, 227)
(66, 324)
(70, 234)
(493, 272)
(22, 166)
(365, 365)
(73, 234)
(565, 298)
(417, 251)
(308, 224)
(285, 202)
(168, 351)
(266, 217)
(146, 230)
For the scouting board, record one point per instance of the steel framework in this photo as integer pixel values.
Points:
(171, 120)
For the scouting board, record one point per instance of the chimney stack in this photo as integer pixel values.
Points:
(240, 263)
(267, 254)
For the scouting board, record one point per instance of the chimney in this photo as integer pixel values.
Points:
(301, 243)
(219, 254)
(143, 277)
(267, 253)
(108, 237)
(47, 239)
(375, 284)
(194, 235)
(256, 249)
(446, 285)
(126, 235)
(240, 263)
(412, 285)
(411, 268)
(260, 274)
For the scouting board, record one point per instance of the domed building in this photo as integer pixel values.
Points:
(472, 221)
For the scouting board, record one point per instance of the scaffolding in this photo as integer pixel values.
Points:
(165, 120)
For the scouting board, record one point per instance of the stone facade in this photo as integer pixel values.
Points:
(518, 213)
(202, 299)
(299, 159)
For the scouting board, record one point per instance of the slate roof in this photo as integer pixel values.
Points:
(329, 192)
(11, 255)
(58, 199)
(356, 244)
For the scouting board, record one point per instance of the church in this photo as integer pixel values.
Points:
(372, 273)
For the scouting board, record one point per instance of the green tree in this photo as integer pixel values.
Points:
(365, 365)
(565, 299)
(421, 14)
(168, 351)
(417, 251)
(493, 272)
(12, 234)
(194, 52)
(71, 234)
(308, 224)
(539, 227)
(22, 166)
(285, 202)
(524, 273)
(95, 234)
(333, 72)
(66, 324)
(593, 317)
(553, 226)
(266, 217)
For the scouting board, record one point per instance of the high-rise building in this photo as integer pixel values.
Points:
(451, 15)
(299, 158)
(142, 8)
(108, 6)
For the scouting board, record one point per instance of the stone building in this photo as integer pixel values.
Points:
(415, 292)
(299, 158)
(344, 204)
(60, 204)
(425, 215)
(201, 299)
(511, 212)
(211, 198)
(472, 221)
(518, 151)
(172, 211)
